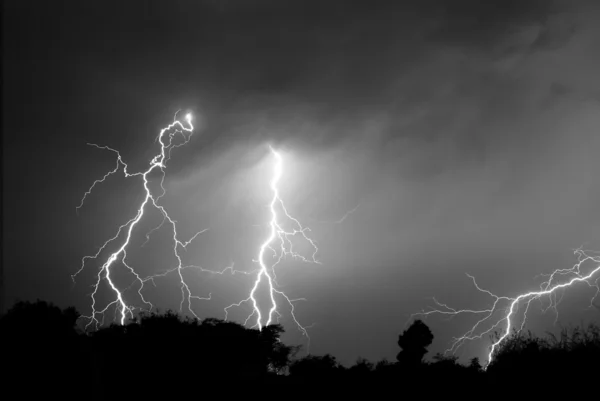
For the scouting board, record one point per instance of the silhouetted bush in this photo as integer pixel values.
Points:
(577, 350)
(191, 352)
(42, 351)
(324, 367)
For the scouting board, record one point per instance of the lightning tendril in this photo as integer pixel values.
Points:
(274, 249)
(158, 162)
(509, 316)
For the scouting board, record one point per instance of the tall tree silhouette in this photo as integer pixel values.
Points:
(414, 342)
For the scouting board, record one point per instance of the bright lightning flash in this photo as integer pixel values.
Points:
(167, 144)
(277, 246)
(509, 316)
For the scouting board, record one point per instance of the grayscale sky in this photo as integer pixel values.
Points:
(466, 132)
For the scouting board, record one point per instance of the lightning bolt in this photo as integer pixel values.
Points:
(341, 219)
(509, 315)
(272, 251)
(158, 162)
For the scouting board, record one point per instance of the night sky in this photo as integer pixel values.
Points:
(466, 132)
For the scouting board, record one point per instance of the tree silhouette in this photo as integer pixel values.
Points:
(524, 353)
(314, 366)
(164, 355)
(41, 348)
(186, 349)
(414, 342)
(39, 319)
(361, 367)
(475, 365)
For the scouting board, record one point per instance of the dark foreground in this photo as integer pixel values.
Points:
(45, 355)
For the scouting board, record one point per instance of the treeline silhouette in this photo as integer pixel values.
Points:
(46, 354)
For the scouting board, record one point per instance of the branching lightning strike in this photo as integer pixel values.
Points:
(507, 321)
(165, 138)
(279, 244)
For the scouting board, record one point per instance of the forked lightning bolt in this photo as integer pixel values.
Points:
(276, 246)
(167, 144)
(508, 320)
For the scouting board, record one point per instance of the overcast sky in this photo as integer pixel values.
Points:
(465, 131)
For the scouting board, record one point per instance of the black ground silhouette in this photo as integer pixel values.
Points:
(46, 354)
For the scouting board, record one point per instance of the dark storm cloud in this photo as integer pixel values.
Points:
(322, 61)
(343, 61)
